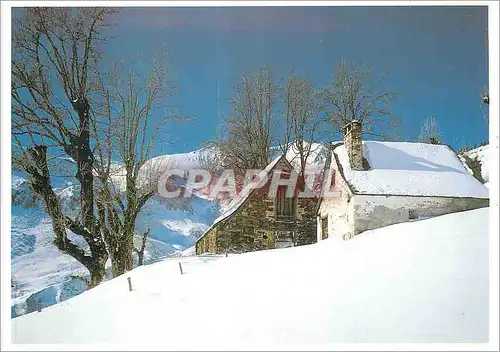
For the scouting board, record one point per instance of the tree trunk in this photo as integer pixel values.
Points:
(84, 160)
(122, 259)
(97, 272)
(140, 255)
(123, 255)
(140, 251)
(40, 181)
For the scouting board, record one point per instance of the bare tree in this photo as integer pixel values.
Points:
(355, 95)
(130, 135)
(429, 132)
(300, 121)
(246, 135)
(53, 53)
(56, 72)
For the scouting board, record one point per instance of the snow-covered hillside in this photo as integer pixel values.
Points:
(424, 281)
(317, 155)
(42, 275)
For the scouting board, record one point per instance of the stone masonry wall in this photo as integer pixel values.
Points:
(254, 226)
(207, 243)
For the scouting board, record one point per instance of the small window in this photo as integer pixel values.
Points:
(284, 205)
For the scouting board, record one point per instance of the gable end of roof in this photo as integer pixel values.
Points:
(249, 196)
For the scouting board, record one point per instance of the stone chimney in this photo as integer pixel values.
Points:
(354, 145)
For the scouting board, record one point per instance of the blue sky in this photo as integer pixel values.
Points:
(435, 57)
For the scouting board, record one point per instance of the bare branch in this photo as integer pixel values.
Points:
(354, 95)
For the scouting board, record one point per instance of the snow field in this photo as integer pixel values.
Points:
(424, 281)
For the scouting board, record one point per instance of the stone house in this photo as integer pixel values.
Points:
(255, 221)
(384, 183)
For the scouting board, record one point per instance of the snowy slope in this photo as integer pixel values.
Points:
(184, 161)
(317, 155)
(156, 166)
(45, 264)
(39, 268)
(419, 169)
(41, 272)
(424, 281)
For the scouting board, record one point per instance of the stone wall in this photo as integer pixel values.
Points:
(206, 244)
(254, 226)
(305, 224)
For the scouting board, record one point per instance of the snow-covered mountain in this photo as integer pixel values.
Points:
(42, 275)
(423, 281)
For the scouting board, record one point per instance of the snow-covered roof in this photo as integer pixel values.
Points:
(245, 193)
(414, 169)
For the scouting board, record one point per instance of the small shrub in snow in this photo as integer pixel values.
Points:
(366, 164)
(412, 214)
(475, 165)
